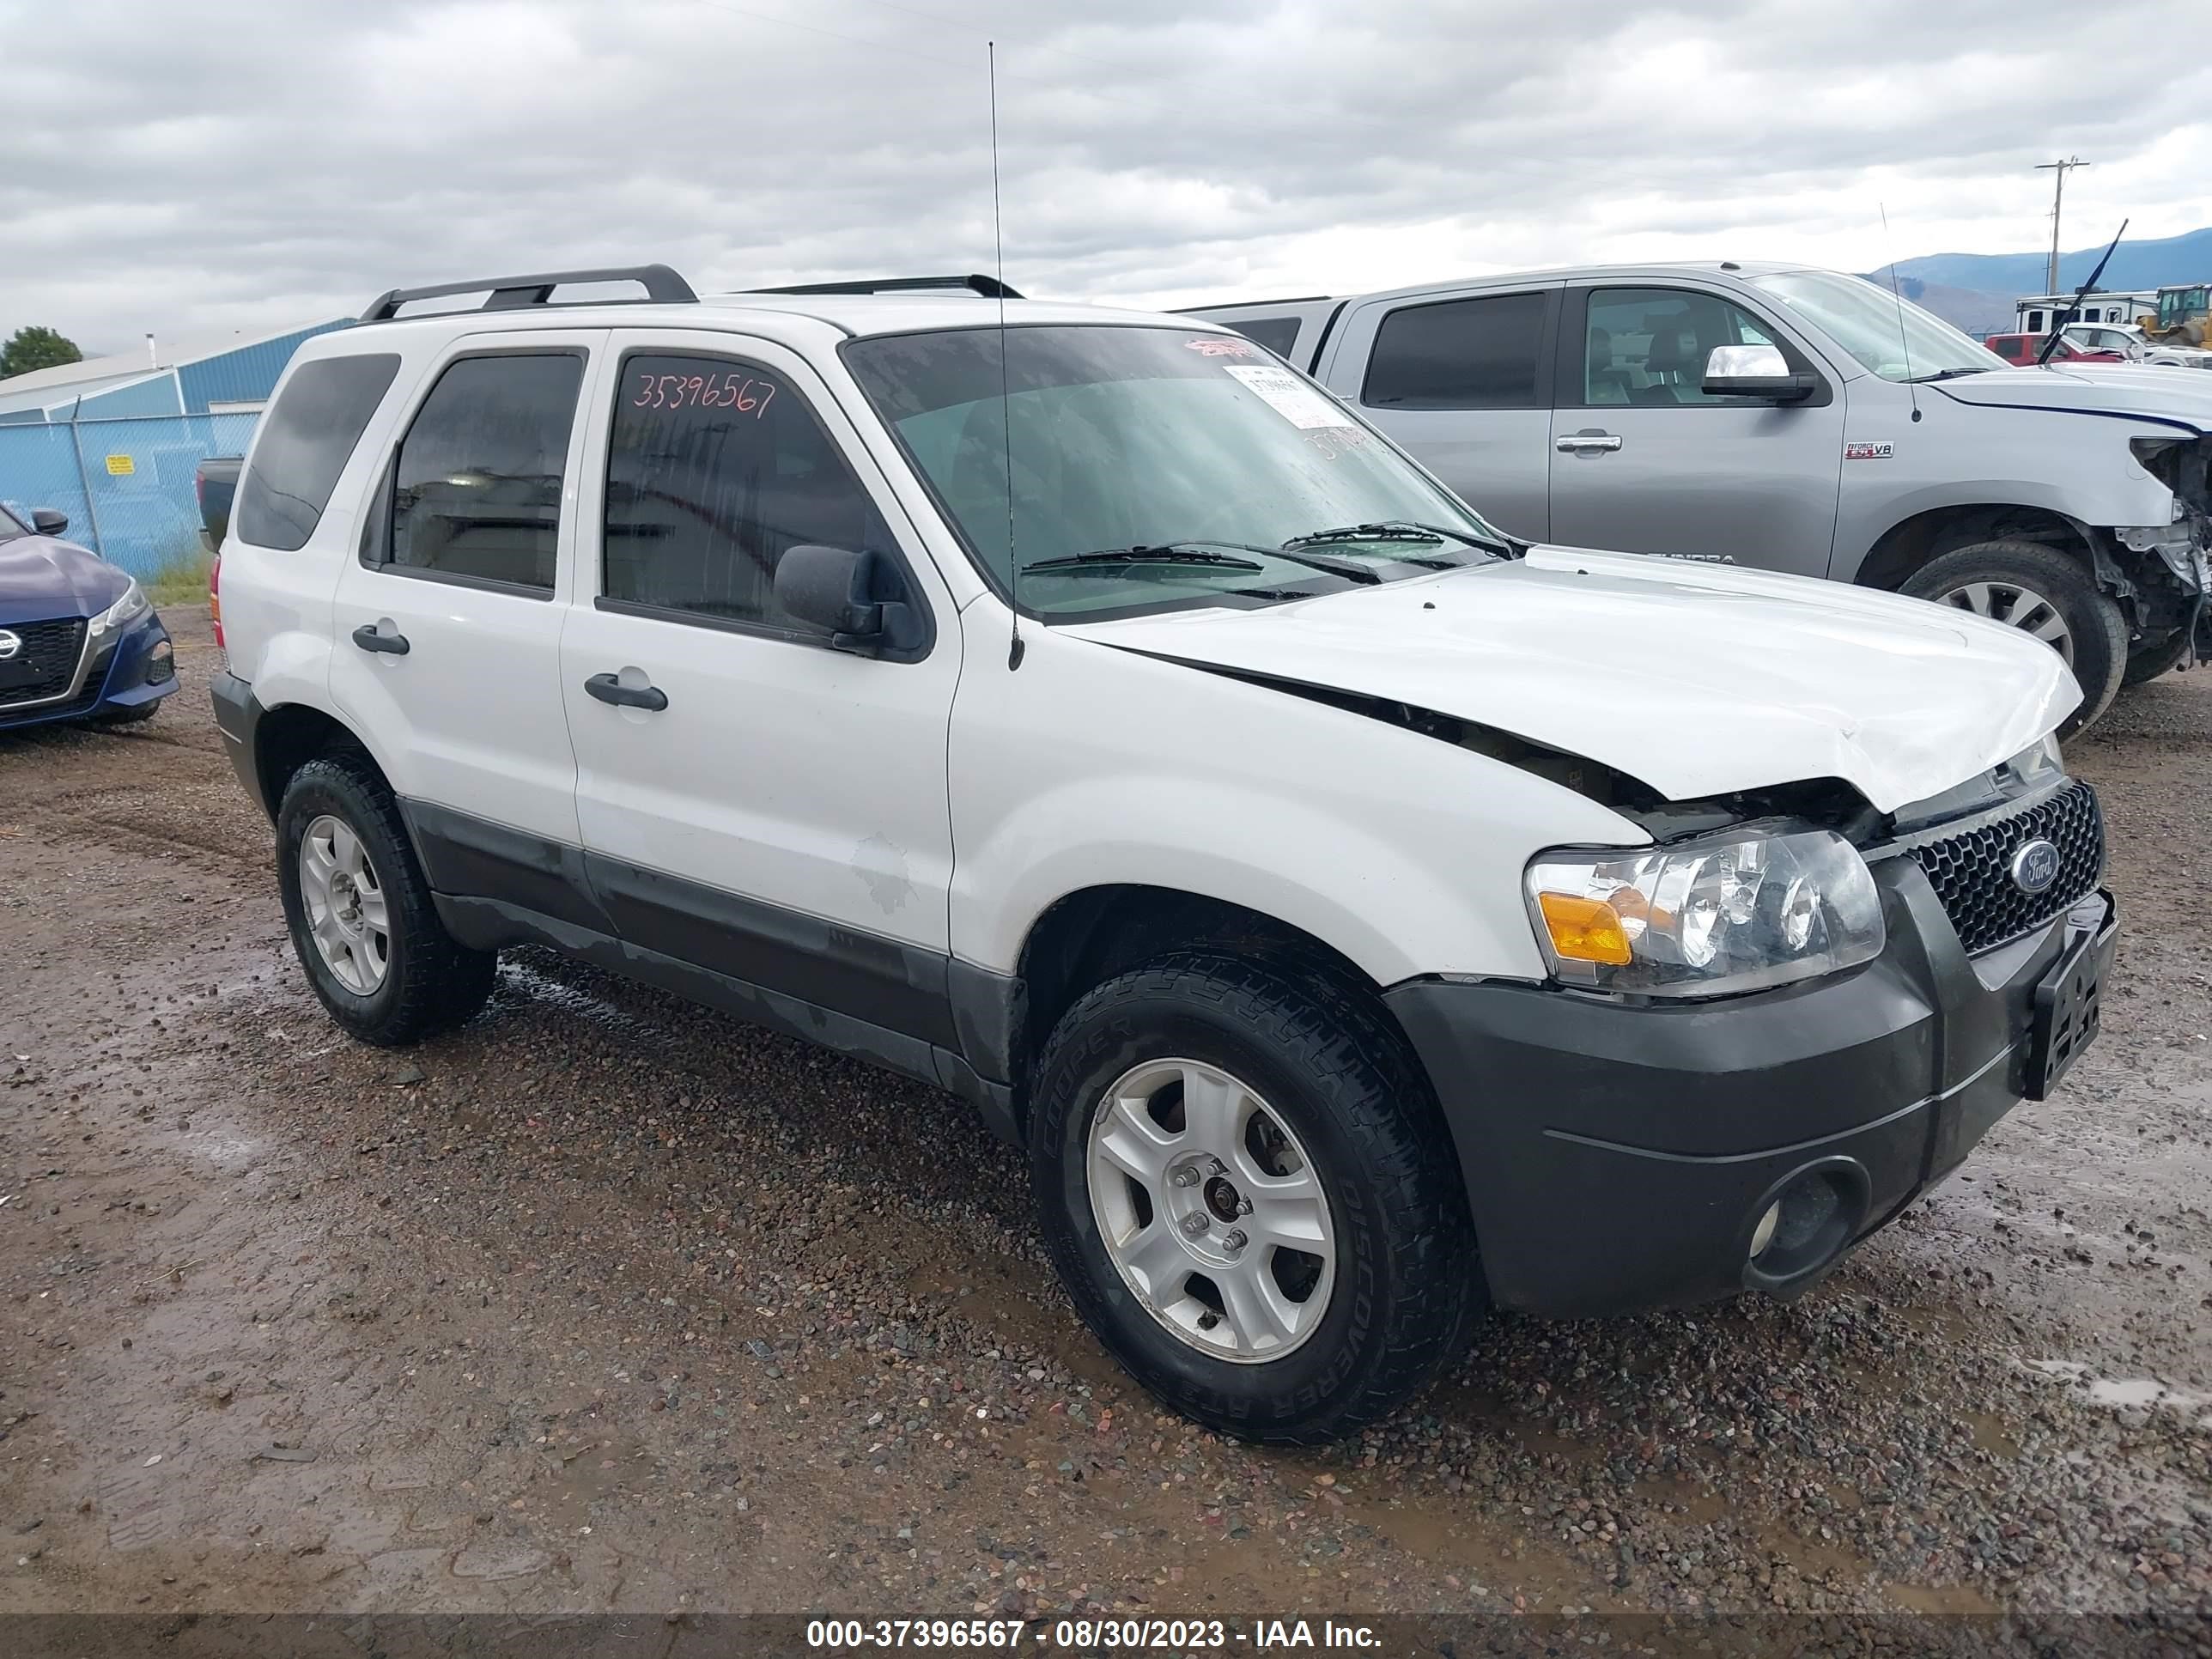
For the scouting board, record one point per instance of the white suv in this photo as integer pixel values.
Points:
(1363, 919)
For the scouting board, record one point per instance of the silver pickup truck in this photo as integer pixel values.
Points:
(1802, 421)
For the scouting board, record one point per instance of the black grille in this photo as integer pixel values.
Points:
(51, 649)
(1971, 871)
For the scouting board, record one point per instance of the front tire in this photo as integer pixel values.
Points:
(2047, 594)
(360, 911)
(1249, 1194)
(2162, 657)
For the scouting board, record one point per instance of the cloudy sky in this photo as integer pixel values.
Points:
(194, 169)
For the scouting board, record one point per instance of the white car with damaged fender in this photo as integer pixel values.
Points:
(1363, 919)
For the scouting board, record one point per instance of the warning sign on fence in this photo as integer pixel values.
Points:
(120, 467)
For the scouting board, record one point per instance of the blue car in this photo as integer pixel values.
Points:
(79, 639)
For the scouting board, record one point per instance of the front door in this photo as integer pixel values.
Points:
(1642, 461)
(753, 801)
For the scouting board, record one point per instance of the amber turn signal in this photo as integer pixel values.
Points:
(1583, 929)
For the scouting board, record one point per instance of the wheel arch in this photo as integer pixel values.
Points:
(1919, 540)
(288, 736)
(1089, 936)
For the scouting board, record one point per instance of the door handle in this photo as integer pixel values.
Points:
(1580, 442)
(608, 688)
(368, 639)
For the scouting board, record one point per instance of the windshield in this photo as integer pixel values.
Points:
(10, 526)
(1189, 459)
(1865, 319)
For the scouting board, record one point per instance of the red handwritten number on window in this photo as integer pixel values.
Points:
(746, 394)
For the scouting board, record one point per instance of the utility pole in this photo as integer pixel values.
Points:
(2058, 170)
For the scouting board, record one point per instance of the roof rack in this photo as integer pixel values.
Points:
(662, 286)
(989, 287)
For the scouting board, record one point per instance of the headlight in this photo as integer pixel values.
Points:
(120, 616)
(2038, 761)
(1759, 905)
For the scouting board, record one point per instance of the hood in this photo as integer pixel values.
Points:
(40, 577)
(2182, 396)
(1699, 679)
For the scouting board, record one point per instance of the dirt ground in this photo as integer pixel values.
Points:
(604, 1303)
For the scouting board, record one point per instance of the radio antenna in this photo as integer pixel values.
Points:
(1005, 397)
(1903, 340)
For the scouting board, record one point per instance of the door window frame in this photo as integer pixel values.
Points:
(377, 522)
(594, 580)
(1571, 390)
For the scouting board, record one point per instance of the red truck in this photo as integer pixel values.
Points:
(2026, 348)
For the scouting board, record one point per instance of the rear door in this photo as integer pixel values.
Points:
(446, 646)
(1462, 381)
(1642, 461)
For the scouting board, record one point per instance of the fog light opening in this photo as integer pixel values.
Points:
(1808, 1220)
(161, 663)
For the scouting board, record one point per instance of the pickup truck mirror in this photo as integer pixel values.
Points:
(860, 599)
(1755, 371)
(47, 522)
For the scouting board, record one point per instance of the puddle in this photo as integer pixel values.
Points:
(2121, 1393)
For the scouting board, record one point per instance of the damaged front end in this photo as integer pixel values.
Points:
(2173, 579)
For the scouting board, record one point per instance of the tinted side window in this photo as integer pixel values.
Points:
(476, 488)
(1277, 334)
(305, 441)
(716, 469)
(1461, 354)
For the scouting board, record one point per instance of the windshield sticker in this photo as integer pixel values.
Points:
(1331, 441)
(1289, 397)
(1216, 345)
(1882, 451)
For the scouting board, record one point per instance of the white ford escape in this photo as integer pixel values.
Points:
(1363, 920)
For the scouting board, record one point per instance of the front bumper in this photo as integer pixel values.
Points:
(1619, 1156)
(138, 666)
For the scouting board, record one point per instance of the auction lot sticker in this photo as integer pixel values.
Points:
(1288, 396)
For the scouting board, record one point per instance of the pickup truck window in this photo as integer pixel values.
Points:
(715, 471)
(1196, 455)
(477, 489)
(305, 443)
(1277, 334)
(1649, 345)
(1458, 353)
(1890, 336)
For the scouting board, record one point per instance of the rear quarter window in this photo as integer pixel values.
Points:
(305, 441)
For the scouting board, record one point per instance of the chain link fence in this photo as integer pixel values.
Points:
(125, 484)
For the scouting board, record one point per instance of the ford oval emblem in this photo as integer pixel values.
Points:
(2034, 865)
(11, 646)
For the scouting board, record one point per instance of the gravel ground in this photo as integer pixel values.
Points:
(604, 1303)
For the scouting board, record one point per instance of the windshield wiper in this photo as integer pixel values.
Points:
(1191, 553)
(1944, 374)
(1119, 555)
(1397, 530)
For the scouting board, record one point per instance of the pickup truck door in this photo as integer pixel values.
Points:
(1463, 382)
(754, 801)
(1642, 461)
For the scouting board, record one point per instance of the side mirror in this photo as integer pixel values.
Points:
(859, 598)
(47, 522)
(1755, 371)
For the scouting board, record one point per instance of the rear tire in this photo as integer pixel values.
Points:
(1320, 1098)
(2150, 661)
(375, 951)
(2049, 594)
